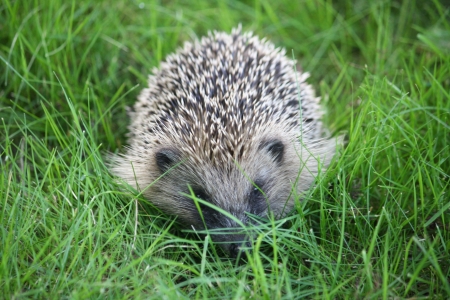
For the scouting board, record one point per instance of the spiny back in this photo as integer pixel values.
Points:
(213, 96)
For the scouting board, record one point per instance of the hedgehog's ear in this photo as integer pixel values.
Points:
(275, 148)
(166, 158)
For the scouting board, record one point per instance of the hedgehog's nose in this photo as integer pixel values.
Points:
(237, 249)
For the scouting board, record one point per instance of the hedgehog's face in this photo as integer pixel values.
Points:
(259, 184)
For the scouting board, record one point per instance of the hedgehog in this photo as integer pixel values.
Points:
(227, 129)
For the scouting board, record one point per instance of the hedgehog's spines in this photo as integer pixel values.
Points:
(218, 114)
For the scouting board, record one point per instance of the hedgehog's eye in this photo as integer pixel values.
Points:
(166, 158)
(257, 199)
(208, 214)
(256, 193)
(201, 194)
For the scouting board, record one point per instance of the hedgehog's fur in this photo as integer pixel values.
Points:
(220, 117)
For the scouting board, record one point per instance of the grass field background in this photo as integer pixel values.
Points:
(377, 225)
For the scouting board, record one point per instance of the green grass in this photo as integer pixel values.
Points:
(376, 226)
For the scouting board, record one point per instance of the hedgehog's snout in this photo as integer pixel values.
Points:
(236, 250)
(236, 245)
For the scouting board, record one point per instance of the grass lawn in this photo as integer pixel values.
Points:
(377, 225)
